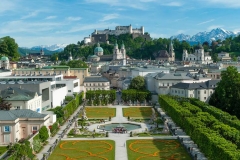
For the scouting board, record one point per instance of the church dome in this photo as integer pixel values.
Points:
(4, 58)
(98, 49)
(199, 46)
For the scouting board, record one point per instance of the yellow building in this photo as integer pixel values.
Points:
(80, 73)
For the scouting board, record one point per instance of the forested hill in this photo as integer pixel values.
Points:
(140, 49)
(135, 48)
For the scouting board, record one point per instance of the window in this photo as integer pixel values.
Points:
(69, 91)
(205, 91)
(198, 92)
(6, 138)
(191, 95)
(210, 92)
(205, 98)
(34, 128)
(6, 129)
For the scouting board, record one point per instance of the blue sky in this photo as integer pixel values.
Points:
(47, 22)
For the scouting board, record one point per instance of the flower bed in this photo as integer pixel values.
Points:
(156, 149)
(84, 149)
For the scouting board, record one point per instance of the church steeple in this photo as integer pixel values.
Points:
(122, 47)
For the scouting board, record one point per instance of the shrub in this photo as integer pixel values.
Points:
(43, 133)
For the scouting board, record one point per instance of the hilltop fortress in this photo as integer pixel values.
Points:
(102, 35)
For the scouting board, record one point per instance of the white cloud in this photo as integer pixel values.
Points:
(109, 17)
(51, 17)
(173, 4)
(136, 4)
(205, 22)
(84, 27)
(73, 18)
(32, 14)
(180, 19)
(27, 27)
(223, 3)
(6, 5)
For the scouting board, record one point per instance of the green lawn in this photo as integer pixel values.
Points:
(84, 150)
(138, 112)
(3, 149)
(156, 149)
(100, 112)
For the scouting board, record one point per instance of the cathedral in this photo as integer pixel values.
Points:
(164, 55)
(118, 56)
(199, 56)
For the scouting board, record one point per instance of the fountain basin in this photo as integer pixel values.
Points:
(127, 126)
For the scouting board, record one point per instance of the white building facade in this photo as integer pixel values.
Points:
(201, 91)
(96, 83)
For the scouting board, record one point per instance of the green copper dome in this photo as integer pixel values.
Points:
(98, 49)
(4, 58)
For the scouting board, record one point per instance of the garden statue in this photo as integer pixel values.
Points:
(84, 116)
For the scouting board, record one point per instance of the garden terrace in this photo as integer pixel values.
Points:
(156, 149)
(84, 149)
(138, 112)
(100, 112)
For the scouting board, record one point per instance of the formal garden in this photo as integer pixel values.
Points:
(156, 149)
(100, 112)
(84, 149)
(138, 112)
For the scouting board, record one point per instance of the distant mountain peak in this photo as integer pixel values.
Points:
(55, 47)
(214, 34)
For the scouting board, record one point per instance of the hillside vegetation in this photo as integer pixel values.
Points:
(139, 48)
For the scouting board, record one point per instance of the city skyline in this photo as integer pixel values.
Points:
(44, 22)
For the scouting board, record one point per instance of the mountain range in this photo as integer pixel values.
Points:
(213, 35)
(48, 49)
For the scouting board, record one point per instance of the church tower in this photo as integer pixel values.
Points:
(70, 57)
(41, 52)
(124, 58)
(115, 51)
(171, 52)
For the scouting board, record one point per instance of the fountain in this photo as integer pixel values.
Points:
(124, 126)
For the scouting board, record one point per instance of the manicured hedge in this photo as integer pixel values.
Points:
(222, 116)
(215, 139)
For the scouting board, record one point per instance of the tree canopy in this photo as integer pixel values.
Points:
(227, 93)
(137, 83)
(75, 64)
(9, 48)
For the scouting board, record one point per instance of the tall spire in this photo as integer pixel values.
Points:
(122, 47)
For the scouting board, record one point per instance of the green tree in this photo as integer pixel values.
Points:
(137, 83)
(75, 64)
(20, 151)
(227, 93)
(12, 48)
(43, 133)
